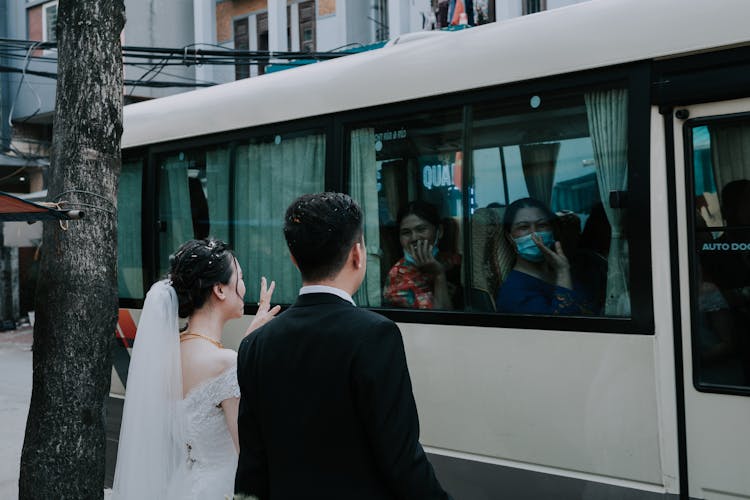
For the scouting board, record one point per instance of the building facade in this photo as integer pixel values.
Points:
(27, 103)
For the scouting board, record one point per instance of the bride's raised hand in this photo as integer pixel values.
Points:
(265, 312)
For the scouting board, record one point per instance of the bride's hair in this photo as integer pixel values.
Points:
(195, 268)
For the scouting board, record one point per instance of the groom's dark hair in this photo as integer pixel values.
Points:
(320, 229)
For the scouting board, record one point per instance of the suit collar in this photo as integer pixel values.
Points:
(313, 299)
(327, 289)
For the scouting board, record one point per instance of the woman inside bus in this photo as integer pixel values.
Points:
(540, 281)
(421, 278)
(179, 428)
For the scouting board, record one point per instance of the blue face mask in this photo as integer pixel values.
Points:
(528, 250)
(409, 258)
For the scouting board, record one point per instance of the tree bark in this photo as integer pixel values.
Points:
(76, 297)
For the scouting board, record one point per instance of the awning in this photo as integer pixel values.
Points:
(13, 208)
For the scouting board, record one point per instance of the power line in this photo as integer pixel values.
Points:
(153, 84)
(190, 55)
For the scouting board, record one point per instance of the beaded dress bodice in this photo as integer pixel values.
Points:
(209, 459)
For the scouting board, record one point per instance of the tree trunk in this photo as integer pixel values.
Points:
(76, 298)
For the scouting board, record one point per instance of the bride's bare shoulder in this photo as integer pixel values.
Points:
(205, 365)
(224, 360)
(217, 361)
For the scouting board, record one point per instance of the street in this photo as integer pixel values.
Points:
(15, 393)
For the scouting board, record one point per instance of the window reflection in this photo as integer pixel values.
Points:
(722, 267)
(563, 153)
(413, 225)
(545, 238)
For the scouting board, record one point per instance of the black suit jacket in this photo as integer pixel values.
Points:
(327, 409)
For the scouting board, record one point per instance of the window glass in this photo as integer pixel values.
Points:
(307, 26)
(407, 175)
(545, 238)
(484, 12)
(50, 22)
(721, 273)
(129, 211)
(533, 6)
(239, 194)
(241, 42)
(380, 19)
(262, 40)
(270, 173)
(193, 198)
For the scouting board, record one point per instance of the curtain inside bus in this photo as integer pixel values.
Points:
(129, 203)
(608, 124)
(217, 187)
(730, 152)
(269, 175)
(174, 208)
(364, 169)
(538, 162)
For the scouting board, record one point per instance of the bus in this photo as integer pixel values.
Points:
(629, 119)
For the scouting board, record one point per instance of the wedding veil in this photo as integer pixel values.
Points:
(151, 441)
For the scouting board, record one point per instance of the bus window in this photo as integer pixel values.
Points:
(193, 198)
(721, 263)
(129, 256)
(270, 173)
(546, 165)
(238, 194)
(407, 175)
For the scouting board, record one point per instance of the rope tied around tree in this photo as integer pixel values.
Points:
(56, 206)
(65, 205)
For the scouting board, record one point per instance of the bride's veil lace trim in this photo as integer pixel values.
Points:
(151, 443)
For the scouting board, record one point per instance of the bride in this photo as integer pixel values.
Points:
(178, 437)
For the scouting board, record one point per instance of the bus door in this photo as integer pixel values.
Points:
(712, 153)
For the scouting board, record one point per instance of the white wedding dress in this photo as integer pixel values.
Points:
(172, 447)
(209, 459)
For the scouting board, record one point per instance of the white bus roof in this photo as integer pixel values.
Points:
(583, 36)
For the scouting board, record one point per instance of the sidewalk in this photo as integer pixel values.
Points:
(15, 394)
(20, 338)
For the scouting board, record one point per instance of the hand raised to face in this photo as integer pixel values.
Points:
(555, 257)
(424, 257)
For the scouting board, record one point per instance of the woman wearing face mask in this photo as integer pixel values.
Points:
(540, 282)
(419, 280)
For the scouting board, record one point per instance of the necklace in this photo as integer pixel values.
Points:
(191, 335)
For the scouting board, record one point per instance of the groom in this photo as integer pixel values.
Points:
(327, 409)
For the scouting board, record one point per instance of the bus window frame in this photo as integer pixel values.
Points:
(152, 153)
(634, 77)
(687, 142)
